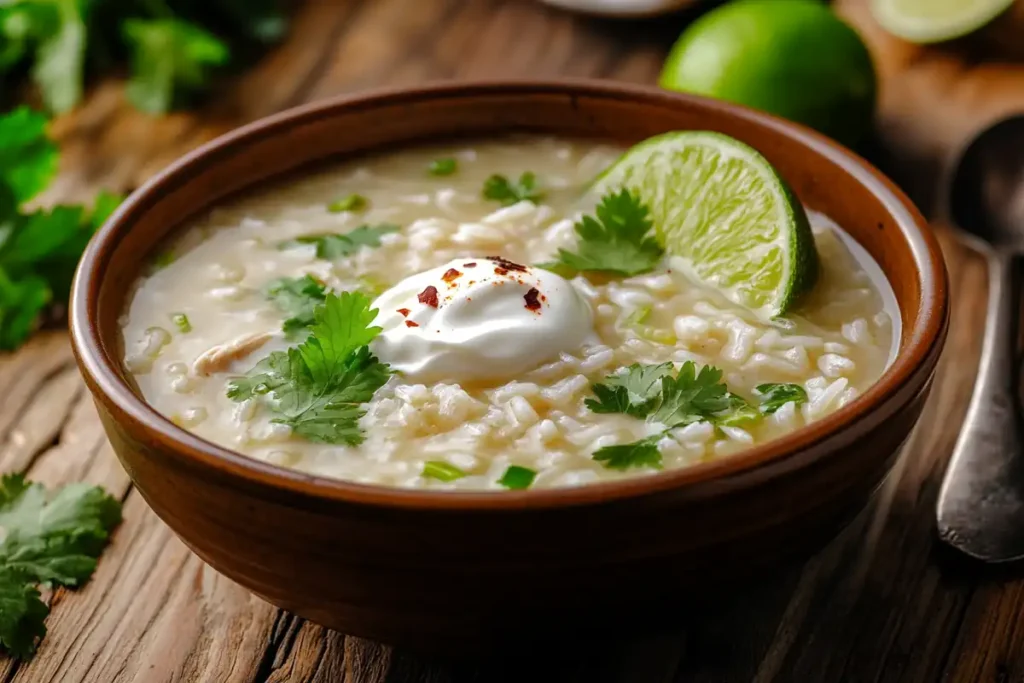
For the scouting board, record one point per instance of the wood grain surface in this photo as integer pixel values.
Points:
(883, 603)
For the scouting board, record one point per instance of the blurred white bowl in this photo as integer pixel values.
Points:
(621, 8)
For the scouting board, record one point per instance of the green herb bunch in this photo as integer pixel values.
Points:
(39, 248)
(174, 48)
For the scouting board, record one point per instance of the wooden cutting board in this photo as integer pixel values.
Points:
(933, 99)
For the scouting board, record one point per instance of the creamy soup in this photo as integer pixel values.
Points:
(499, 393)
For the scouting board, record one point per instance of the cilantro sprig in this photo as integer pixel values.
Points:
(39, 249)
(642, 453)
(774, 396)
(48, 539)
(508, 192)
(652, 393)
(331, 246)
(618, 239)
(317, 388)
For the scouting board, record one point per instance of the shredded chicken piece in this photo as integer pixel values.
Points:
(218, 358)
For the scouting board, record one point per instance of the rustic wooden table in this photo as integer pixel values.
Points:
(881, 603)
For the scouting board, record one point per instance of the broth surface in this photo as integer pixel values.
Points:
(835, 344)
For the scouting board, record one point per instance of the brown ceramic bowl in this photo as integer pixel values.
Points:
(443, 569)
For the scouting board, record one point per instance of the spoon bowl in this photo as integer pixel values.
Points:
(986, 200)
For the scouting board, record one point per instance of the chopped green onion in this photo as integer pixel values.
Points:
(353, 202)
(517, 477)
(181, 321)
(442, 167)
(442, 471)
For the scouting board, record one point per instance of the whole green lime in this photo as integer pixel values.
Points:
(792, 58)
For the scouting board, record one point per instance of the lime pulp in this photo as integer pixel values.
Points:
(932, 21)
(725, 212)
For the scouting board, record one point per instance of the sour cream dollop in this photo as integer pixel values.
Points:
(479, 319)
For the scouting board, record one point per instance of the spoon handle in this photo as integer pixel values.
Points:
(981, 504)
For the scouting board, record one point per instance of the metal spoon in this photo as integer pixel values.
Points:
(981, 504)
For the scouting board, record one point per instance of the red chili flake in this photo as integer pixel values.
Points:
(410, 323)
(451, 275)
(404, 312)
(531, 299)
(501, 271)
(469, 265)
(429, 296)
(505, 263)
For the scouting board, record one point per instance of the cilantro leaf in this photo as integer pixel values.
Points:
(634, 390)
(739, 413)
(317, 387)
(342, 326)
(691, 396)
(265, 377)
(170, 58)
(642, 453)
(651, 392)
(774, 396)
(331, 246)
(618, 240)
(47, 538)
(22, 301)
(22, 614)
(28, 158)
(501, 189)
(298, 298)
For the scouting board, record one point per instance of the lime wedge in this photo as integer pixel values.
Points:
(720, 206)
(932, 21)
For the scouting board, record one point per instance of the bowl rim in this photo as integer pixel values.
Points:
(101, 373)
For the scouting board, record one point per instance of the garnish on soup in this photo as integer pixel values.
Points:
(337, 245)
(443, 167)
(298, 298)
(774, 396)
(352, 202)
(517, 477)
(508, 192)
(652, 343)
(618, 240)
(500, 322)
(317, 387)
